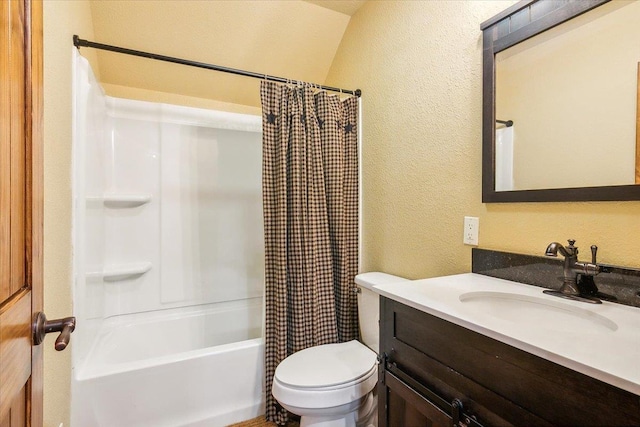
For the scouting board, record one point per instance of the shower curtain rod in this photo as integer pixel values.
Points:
(507, 123)
(78, 42)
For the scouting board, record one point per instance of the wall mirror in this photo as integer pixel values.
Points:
(561, 95)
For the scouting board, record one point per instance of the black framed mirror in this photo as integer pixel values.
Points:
(516, 81)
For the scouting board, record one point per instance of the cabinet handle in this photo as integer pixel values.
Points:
(456, 412)
(460, 419)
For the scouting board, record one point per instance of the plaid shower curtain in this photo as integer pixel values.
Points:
(310, 198)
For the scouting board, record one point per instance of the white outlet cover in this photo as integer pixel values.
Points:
(471, 228)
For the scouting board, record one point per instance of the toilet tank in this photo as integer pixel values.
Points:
(369, 305)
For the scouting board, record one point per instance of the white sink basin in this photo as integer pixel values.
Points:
(599, 340)
(540, 311)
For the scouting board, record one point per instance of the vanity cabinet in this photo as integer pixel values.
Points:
(436, 373)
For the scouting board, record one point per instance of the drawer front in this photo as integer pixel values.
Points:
(505, 383)
(489, 407)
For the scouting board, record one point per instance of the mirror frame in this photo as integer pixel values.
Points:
(520, 22)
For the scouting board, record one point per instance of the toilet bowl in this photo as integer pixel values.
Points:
(333, 385)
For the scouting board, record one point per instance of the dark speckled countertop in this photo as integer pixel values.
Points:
(546, 272)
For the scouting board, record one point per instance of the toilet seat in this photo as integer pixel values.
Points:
(326, 376)
(326, 365)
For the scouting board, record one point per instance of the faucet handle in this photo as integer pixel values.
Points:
(594, 251)
(571, 242)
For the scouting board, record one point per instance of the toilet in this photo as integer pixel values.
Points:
(333, 385)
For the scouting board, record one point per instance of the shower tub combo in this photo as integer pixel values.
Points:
(168, 256)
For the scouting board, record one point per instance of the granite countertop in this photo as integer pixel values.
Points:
(621, 283)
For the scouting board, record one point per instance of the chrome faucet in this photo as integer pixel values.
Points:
(573, 269)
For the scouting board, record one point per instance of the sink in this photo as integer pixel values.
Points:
(539, 311)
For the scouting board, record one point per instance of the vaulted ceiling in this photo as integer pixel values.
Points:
(292, 38)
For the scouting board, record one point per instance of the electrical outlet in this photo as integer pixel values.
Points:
(471, 226)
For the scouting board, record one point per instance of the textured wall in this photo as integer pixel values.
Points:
(419, 66)
(62, 19)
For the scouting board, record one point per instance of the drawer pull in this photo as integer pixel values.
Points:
(456, 413)
(459, 417)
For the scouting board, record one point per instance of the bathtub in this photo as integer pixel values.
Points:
(193, 366)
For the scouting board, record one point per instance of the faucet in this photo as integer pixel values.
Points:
(573, 270)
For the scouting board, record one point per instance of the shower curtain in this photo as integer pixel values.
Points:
(310, 199)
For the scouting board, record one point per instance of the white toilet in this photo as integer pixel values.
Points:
(333, 385)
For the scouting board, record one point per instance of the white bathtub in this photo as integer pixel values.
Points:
(194, 366)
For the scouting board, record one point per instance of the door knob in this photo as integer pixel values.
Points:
(42, 326)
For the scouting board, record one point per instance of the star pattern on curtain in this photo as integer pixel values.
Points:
(271, 118)
(348, 128)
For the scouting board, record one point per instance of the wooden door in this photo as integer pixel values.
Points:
(20, 211)
(638, 128)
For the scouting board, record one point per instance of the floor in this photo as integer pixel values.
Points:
(261, 422)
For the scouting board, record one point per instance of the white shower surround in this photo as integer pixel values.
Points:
(168, 262)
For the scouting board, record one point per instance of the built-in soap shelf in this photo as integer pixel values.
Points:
(116, 273)
(121, 201)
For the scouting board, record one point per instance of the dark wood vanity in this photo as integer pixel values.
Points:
(436, 373)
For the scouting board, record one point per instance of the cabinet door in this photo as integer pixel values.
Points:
(408, 408)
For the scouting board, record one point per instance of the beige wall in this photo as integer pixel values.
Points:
(419, 66)
(62, 19)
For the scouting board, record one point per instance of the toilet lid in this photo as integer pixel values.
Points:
(326, 365)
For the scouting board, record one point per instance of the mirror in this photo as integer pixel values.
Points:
(561, 94)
